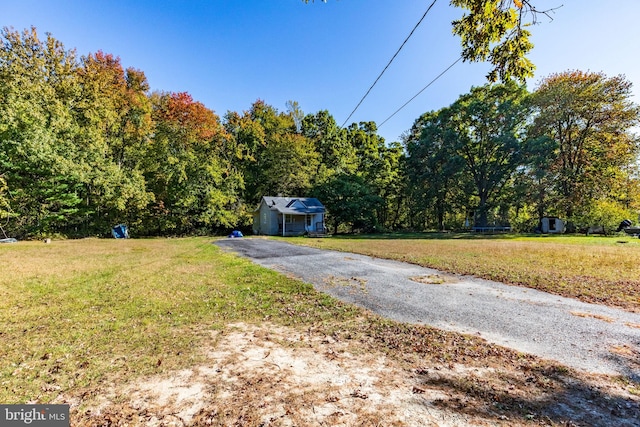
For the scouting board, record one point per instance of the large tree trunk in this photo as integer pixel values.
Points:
(482, 216)
(440, 214)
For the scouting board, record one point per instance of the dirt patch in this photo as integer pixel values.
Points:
(355, 284)
(270, 375)
(434, 279)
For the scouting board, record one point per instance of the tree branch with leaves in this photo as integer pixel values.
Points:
(496, 31)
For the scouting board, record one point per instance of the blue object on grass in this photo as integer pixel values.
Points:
(120, 231)
(236, 233)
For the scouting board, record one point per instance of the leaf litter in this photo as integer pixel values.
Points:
(271, 375)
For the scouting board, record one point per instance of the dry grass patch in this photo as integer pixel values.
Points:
(595, 270)
(624, 350)
(356, 284)
(434, 279)
(593, 316)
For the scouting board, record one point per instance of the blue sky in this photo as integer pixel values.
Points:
(228, 53)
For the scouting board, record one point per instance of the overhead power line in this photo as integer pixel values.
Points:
(422, 90)
(390, 61)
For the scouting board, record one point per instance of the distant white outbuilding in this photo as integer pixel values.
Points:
(289, 216)
(552, 225)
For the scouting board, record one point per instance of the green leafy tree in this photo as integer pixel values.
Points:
(5, 207)
(288, 163)
(279, 160)
(393, 189)
(433, 168)
(248, 138)
(379, 166)
(337, 155)
(488, 134)
(254, 130)
(115, 125)
(589, 118)
(349, 202)
(496, 30)
(195, 186)
(38, 85)
(478, 140)
(67, 127)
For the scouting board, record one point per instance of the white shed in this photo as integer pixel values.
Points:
(552, 225)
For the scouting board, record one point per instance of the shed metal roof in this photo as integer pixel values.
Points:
(294, 205)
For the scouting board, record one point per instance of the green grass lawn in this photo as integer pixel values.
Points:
(603, 270)
(75, 312)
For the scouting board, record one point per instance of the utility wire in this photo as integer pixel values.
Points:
(390, 61)
(423, 89)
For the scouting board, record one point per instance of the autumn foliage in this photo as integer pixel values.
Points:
(86, 144)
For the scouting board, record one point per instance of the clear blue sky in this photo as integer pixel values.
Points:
(228, 53)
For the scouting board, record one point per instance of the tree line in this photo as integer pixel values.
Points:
(507, 156)
(86, 144)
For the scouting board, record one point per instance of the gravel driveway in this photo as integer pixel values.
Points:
(585, 336)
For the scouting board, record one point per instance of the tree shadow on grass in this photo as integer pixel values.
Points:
(508, 387)
(545, 395)
(627, 359)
